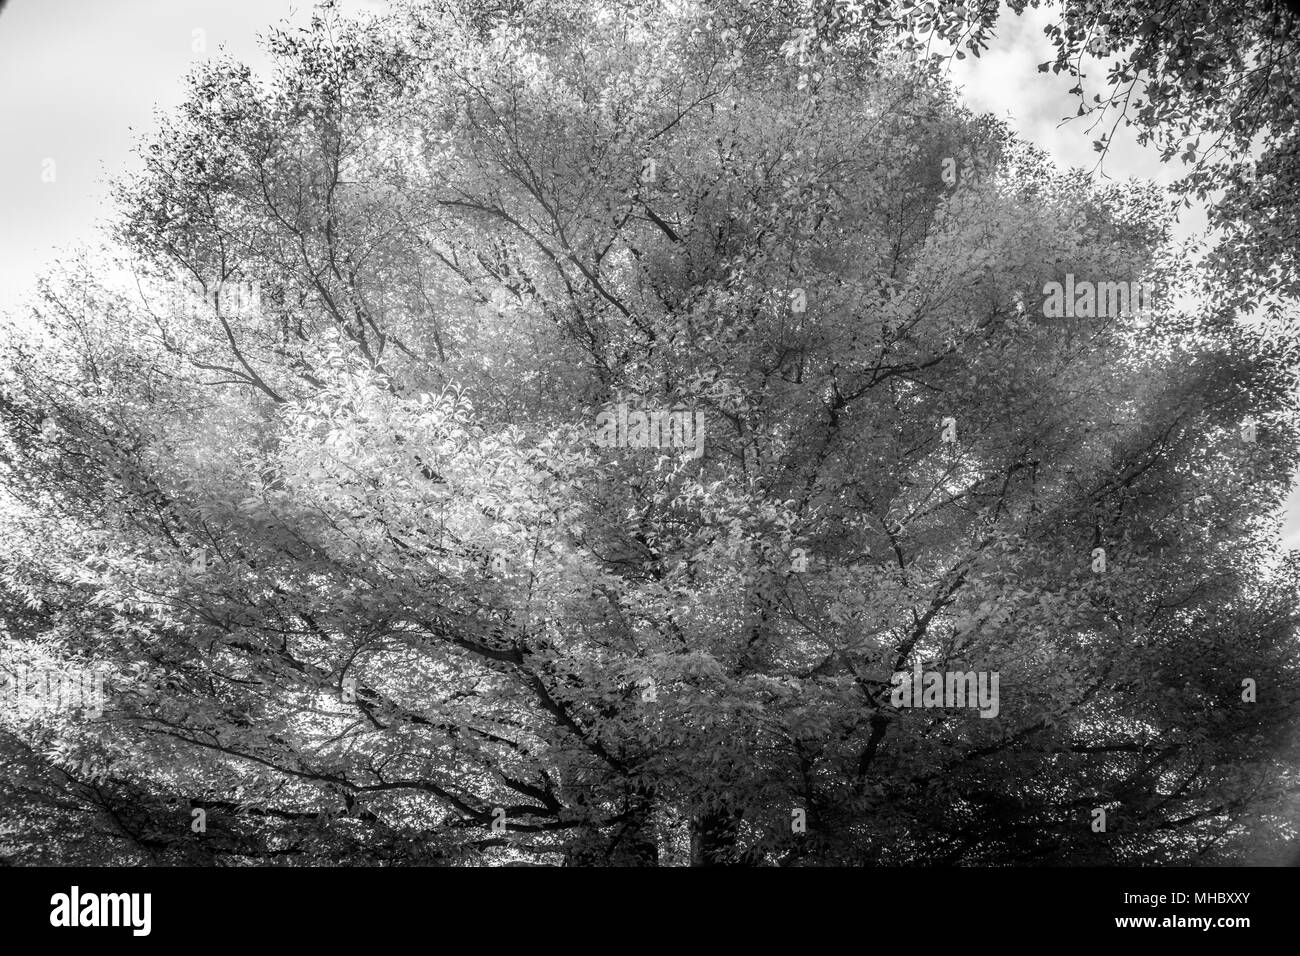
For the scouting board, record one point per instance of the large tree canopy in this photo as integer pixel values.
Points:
(369, 588)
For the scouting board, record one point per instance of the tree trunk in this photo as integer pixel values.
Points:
(714, 840)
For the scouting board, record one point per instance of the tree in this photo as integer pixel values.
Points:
(375, 580)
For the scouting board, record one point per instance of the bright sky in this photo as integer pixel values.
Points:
(80, 81)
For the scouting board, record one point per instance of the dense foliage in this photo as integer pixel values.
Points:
(367, 589)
